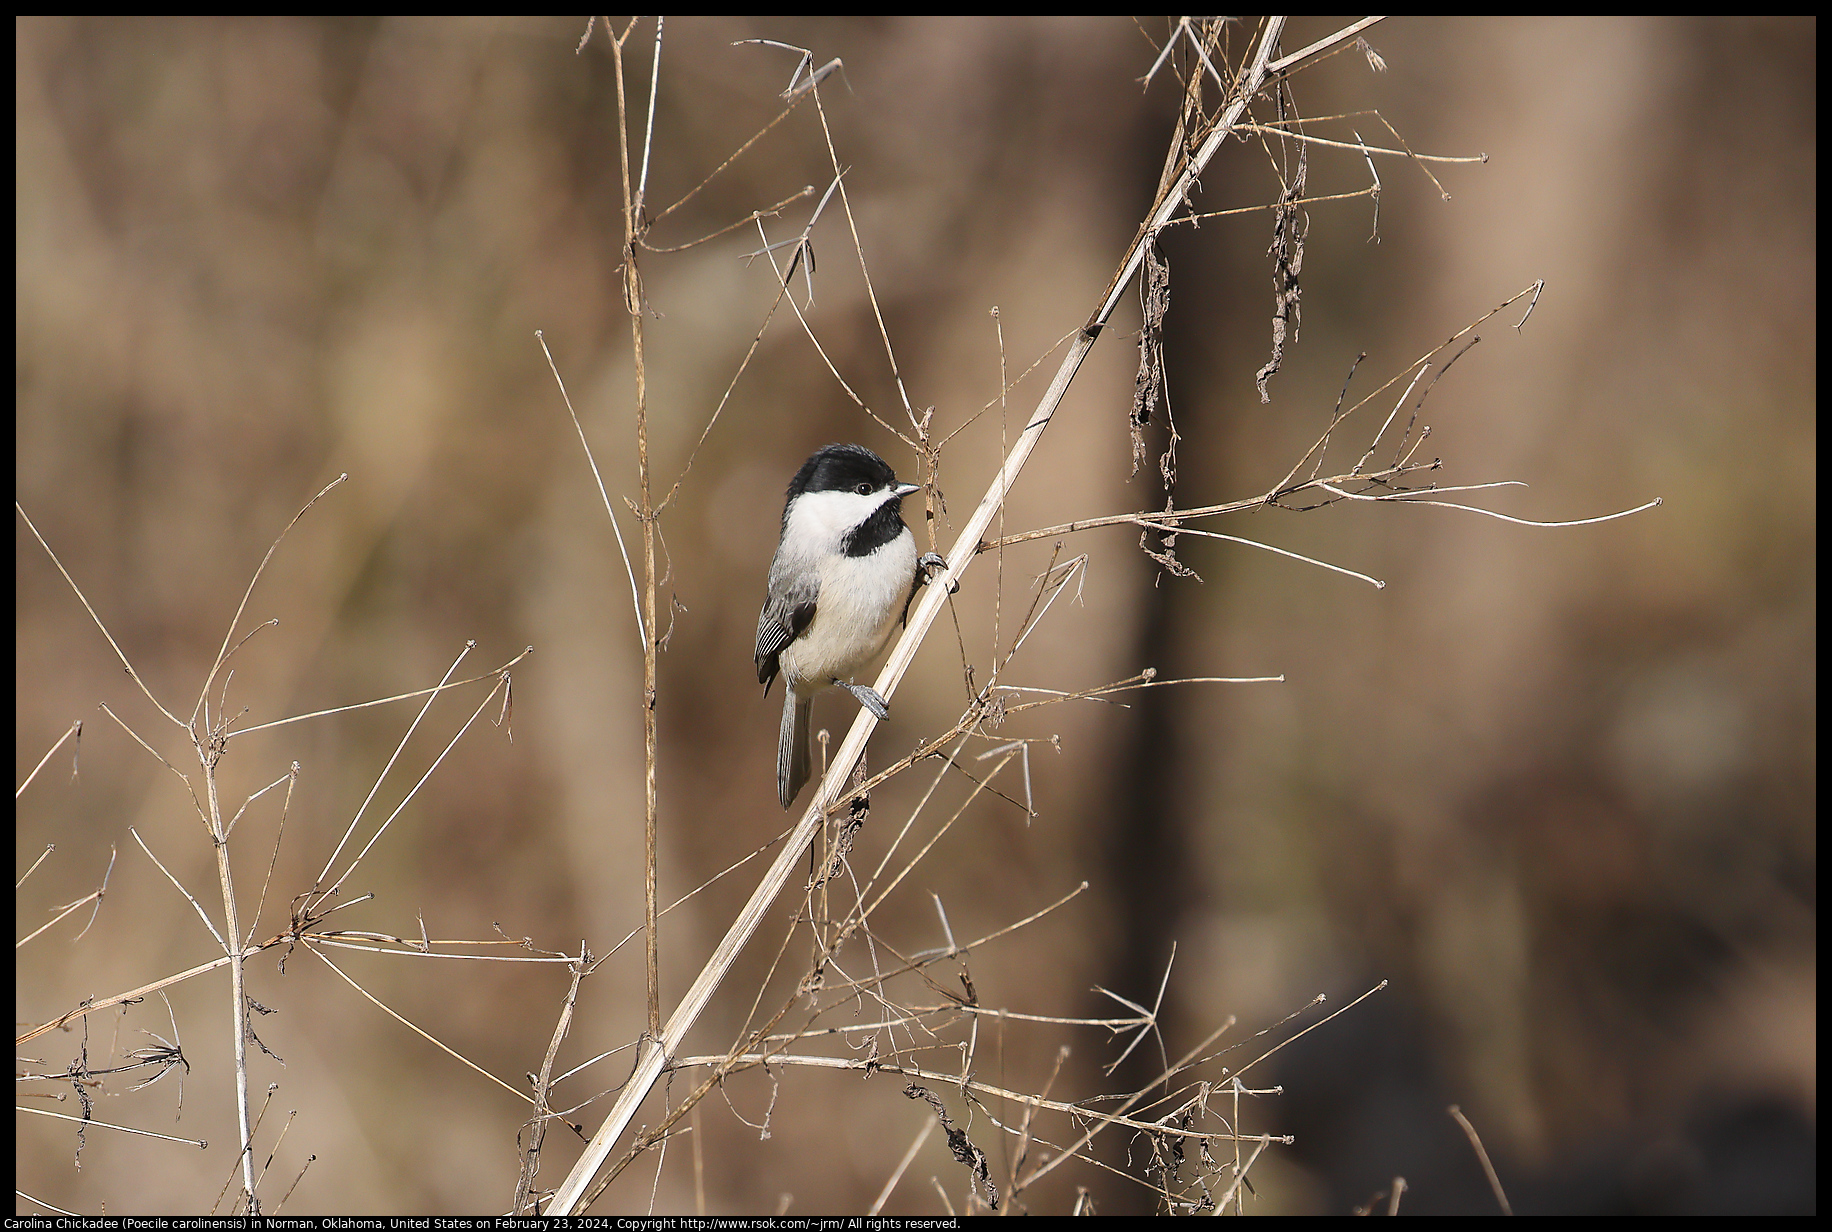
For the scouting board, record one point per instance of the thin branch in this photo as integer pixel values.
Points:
(60, 912)
(222, 655)
(495, 673)
(1488, 1168)
(769, 211)
(648, 132)
(49, 848)
(1275, 205)
(1376, 583)
(1281, 129)
(1312, 1027)
(543, 1083)
(74, 731)
(83, 599)
(1322, 45)
(869, 1066)
(784, 274)
(126, 998)
(890, 1184)
(126, 1129)
(430, 1038)
(379, 780)
(1414, 498)
(409, 797)
(189, 897)
(642, 628)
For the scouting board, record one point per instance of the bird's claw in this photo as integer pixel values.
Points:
(868, 698)
(929, 561)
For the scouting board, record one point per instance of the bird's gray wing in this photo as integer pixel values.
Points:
(782, 620)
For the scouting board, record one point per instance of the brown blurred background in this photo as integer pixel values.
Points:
(1557, 786)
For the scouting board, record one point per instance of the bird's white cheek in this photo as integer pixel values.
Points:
(821, 518)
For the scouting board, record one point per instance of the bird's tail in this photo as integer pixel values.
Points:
(792, 757)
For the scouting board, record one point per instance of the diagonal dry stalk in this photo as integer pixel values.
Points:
(572, 1196)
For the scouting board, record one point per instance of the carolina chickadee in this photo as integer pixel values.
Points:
(844, 573)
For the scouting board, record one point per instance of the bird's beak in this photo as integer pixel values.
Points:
(904, 489)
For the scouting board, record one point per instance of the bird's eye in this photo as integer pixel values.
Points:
(864, 489)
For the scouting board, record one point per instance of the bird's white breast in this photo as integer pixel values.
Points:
(861, 597)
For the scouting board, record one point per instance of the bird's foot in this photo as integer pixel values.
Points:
(929, 562)
(868, 698)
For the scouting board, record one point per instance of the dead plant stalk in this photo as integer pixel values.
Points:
(645, 513)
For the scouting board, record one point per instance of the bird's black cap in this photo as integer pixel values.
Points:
(840, 468)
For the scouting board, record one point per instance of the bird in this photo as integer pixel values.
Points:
(844, 573)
